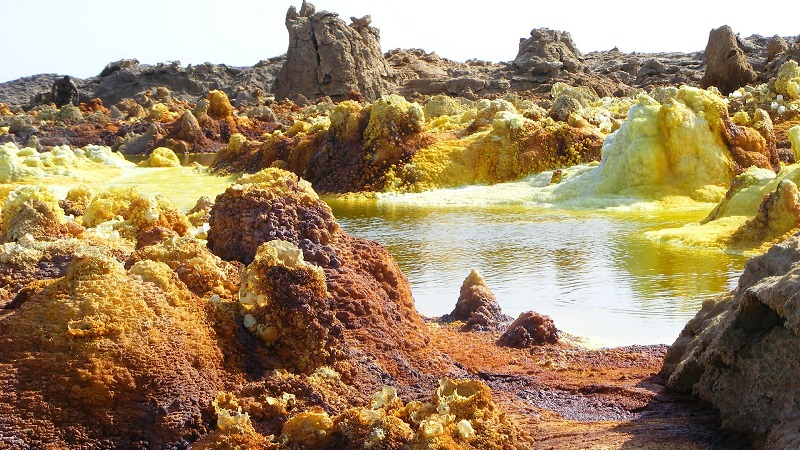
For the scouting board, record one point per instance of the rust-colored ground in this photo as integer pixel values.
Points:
(567, 397)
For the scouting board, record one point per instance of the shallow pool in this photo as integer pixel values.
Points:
(594, 273)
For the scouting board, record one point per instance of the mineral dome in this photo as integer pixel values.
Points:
(253, 320)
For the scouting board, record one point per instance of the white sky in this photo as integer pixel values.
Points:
(80, 37)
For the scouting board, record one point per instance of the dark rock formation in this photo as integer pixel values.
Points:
(529, 329)
(739, 353)
(727, 67)
(546, 54)
(477, 306)
(326, 57)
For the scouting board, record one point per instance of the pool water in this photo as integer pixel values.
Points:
(594, 273)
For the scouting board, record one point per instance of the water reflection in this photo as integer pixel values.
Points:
(595, 274)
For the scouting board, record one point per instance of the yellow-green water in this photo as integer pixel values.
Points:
(593, 272)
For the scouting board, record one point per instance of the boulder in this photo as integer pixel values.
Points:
(739, 353)
(726, 65)
(547, 53)
(326, 57)
(528, 330)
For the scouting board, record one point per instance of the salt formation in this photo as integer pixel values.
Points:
(739, 352)
(477, 306)
(326, 57)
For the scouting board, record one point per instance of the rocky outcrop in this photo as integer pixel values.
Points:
(529, 329)
(739, 352)
(727, 67)
(548, 53)
(326, 57)
(477, 306)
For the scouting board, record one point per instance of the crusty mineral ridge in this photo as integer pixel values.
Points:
(726, 65)
(739, 353)
(547, 53)
(477, 306)
(105, 358)
(326, 57)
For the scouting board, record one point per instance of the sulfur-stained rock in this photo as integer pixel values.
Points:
(288, 306)
(477, 306)
(100, 358)
(76, 201)
(34, 210)
(201, 271)
(529, 329)
(326, 57)
(727, 67)
(778, 213)
(739, 350)
(751, 146)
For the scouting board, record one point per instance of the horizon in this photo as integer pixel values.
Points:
(195, 32)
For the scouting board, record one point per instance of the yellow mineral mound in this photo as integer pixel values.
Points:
(161, 157)
(675, 149)
(27, 163)
(133, 214)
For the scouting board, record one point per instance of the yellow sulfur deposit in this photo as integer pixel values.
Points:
(139, 213)
(759, 209)
(788, 80)
(660, 151)
(161, 157)
(794, 138)
(391, 117)
(309, 429)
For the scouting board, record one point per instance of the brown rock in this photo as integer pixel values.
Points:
(775, 47)
(270, 205)
(528, 330)
(328, 57)
(752, 146)
(726, 65)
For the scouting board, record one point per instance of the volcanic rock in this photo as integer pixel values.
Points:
(726, 65)
(326, 57)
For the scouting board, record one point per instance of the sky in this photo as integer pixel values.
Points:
(80, 37)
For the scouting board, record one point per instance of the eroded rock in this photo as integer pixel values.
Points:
(529, 329)
(477, 306)
(326, 57)
(727, 67)
(547, 53)
(739, 350)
